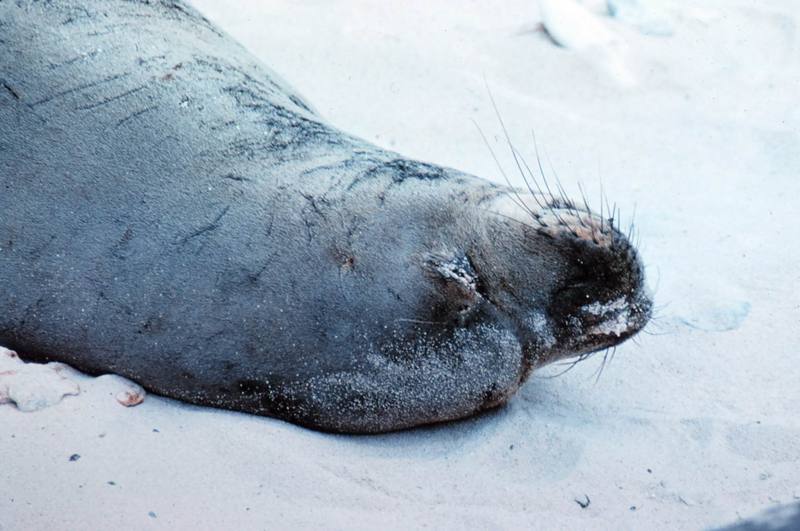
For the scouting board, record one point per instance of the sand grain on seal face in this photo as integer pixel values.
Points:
(183, 218)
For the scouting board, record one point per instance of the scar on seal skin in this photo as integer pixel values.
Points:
(173, 212)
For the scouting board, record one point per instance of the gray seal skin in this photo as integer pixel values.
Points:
(172, 212)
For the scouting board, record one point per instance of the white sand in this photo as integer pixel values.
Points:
(699, 129)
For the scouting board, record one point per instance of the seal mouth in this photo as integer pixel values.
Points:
(557, 333)
(598, 326)
(594, 327)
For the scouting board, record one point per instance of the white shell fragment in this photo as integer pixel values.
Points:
(32, 386)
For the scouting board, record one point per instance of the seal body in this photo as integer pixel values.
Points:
(171, 211)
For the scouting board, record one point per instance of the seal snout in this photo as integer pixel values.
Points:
(604, 300)
(573, 282)
(600, 299)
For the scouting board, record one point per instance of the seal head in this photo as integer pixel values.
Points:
(571, 282)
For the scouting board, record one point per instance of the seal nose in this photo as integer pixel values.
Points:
(620, 318)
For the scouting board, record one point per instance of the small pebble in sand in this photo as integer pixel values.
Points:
(133, 396)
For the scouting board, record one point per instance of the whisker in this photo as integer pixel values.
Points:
(561, 190)
(562, 373)
(601, 208)
(658, 280)
(583, 197)
(661, 307)
(418, 321)
(633, 218)
(510, 218)
(649, 333)
(602, 366)
(535, 182)
(510, 145)
(572, 364)
(533, 178)
(565, 202)
(609, 211)
(613, 215)
(521, 203)
(588, 210)
(539, 162)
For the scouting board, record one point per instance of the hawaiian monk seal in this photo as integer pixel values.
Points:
(172, 212)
